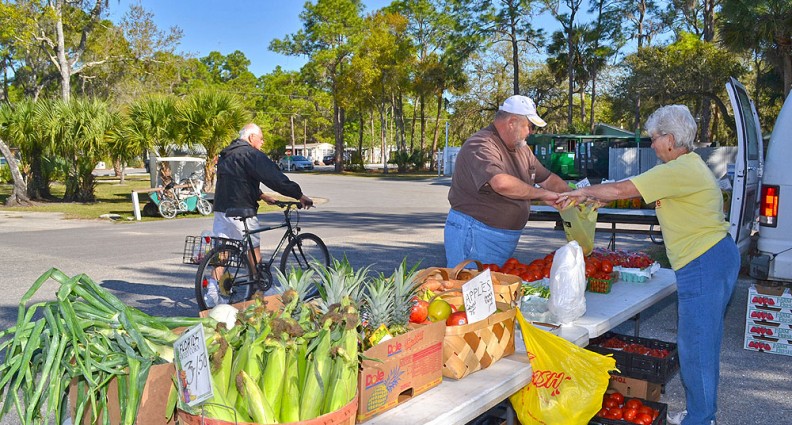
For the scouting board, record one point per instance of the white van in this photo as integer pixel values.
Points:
(757, 188)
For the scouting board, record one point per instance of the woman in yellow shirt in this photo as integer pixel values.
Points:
(703, 255)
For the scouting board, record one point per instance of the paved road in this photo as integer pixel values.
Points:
(372, 221)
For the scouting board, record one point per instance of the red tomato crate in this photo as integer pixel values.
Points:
(661, 418)
(640, 366)
(601, 286)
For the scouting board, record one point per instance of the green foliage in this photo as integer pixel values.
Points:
(5, 174)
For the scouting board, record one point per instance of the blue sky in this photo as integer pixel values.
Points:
(225, 26)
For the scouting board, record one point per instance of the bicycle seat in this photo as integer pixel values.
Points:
(243, 213)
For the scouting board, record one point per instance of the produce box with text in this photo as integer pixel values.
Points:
(400, 368)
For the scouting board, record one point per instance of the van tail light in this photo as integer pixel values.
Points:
(768, 207)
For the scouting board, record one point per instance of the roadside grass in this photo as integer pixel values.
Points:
(111, 198)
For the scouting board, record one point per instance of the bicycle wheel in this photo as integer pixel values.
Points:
(301, 252)
(167, 208)
(225, 276)
(204, 207)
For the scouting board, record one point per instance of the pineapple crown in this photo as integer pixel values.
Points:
(405, 287)
(379, 301)
(338, 281)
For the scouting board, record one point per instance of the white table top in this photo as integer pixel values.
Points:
(626, 299)
(460, 401)
(647, 212)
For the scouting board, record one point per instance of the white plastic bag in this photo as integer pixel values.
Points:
(568, 284)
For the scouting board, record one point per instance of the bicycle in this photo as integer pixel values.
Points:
(187, 196)
(239, 276)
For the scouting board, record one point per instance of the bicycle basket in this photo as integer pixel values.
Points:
(196, 247)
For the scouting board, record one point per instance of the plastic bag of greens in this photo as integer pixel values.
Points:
(580, 223)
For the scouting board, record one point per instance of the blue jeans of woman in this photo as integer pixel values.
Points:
(469, 239)
(704, 287)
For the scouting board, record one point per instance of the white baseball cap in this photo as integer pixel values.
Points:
(523, 105)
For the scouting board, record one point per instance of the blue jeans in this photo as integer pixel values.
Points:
(704, 287)
(469, 239)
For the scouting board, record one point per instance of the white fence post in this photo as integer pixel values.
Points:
(136, 205)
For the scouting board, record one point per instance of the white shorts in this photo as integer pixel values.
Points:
(232, 228)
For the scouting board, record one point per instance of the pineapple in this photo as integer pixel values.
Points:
(405, 287)
(338, 281)
(380, 394)
(378, 308)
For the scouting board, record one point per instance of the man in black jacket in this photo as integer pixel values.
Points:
(241, 168)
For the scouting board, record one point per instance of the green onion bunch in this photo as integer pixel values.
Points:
(89, 336)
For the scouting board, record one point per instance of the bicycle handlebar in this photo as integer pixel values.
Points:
(287, 204)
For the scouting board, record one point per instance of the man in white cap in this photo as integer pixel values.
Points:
(493, 184)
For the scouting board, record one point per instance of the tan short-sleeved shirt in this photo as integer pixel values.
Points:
(483, 156)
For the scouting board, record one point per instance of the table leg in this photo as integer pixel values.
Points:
(637, 319)
(510, 420)
(612, 241)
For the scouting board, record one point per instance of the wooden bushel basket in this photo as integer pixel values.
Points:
(507, 287)
(468, 348)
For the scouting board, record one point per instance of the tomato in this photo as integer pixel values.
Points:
(439, 310)
(603, 413)
(526, 276)
(492, 267)
(419, 312)
(617, 396)
(546, 272)
(645, 410)
(615, 413)
(630, 414)
(590, 270)
(512, 261)
(633, 403)
(457, 318)
(606, 266)
(644, 418)
(610, 403)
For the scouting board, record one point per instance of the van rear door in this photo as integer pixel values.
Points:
(747, 168)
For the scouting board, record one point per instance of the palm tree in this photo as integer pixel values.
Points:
(78, 131)
(763, 26)
(19, 192)
(150, 127)
(211, 118)
(21, 129)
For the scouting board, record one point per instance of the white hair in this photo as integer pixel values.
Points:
(676, 120)
(249, 130)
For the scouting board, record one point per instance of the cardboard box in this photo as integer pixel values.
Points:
(402, 368)
(769, 296)
(153, 401)
(783, 347)
(769, 330)
(635, 388)
(760, 314)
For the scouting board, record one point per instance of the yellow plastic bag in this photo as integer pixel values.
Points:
(568, 381)
(580, 223)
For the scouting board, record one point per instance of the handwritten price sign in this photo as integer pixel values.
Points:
(192, 366)
(479, 297)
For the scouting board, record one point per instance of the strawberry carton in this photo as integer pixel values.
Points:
(763, 345)
(770, 297)
(768, 330)
(759, 314)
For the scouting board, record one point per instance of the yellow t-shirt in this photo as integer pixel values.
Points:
(689, 206)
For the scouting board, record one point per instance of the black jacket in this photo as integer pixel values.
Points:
(240, 169)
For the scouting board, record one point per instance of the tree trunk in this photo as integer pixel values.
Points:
(360, 134)
(63, 63)
(291, 129)
(434, 138)
(515, 62)
(338, 133)
(423, 123)
(412, 125)
(593, 96)
(18, 195)
(382, 139)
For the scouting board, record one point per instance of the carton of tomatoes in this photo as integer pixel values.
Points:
(618, 410)
(640, 358)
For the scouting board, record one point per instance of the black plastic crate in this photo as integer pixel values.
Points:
(649, 368)
(661, 418)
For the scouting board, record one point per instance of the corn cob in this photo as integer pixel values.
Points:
(290, 401)
(274, 373)
(260, 411)
(318, 373)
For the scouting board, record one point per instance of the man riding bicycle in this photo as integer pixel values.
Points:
(241, 168)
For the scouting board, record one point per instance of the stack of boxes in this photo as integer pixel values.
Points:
(768, 324)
